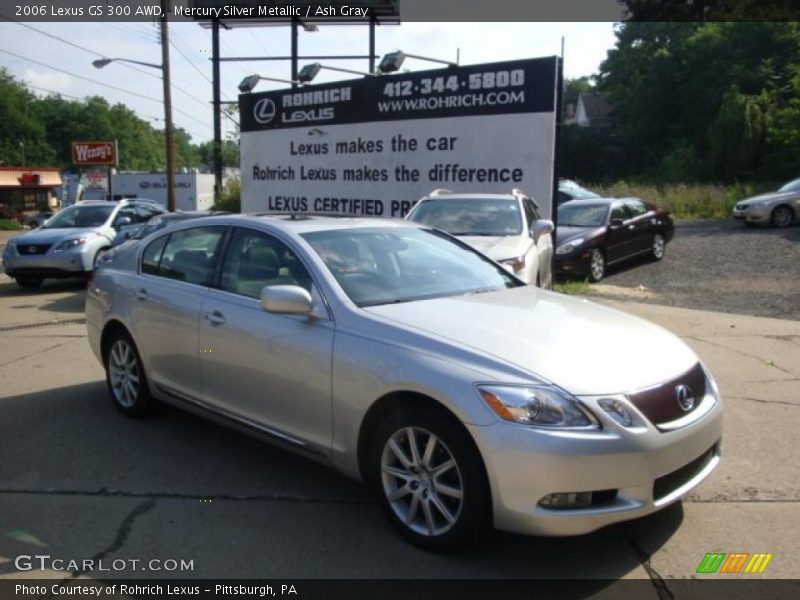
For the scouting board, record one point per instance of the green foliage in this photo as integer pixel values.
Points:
(39, 131)
(686, 201)
(713, 101)
(9, 225)
(573, 287)
(588, 154)
(231, 197)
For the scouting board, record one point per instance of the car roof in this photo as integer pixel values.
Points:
(305, 223)
(587, 201)
(471, 197)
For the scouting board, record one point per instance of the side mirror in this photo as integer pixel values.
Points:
(615, 223)
(540, 228)
(286, 299)
(122, 222)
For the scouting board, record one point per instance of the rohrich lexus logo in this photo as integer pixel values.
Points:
(685, 397)
(264, 111)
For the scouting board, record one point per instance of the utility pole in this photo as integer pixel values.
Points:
(217, 109)
(167, 106)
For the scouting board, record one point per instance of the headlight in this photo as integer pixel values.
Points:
(517, 263)
(539, 405)
(570, 247)
(68, 244)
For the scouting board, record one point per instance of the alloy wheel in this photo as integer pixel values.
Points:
(422, 481)
(782, 216)
(123, 369)
(659, 245)
(597, 266)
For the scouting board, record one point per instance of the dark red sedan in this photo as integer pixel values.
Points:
(593, 234)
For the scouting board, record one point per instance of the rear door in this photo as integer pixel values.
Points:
(641, 225)
(618, 237)
(175, 272)
(270, 370)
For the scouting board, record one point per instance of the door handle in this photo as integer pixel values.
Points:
(214, 318)
(141, 294)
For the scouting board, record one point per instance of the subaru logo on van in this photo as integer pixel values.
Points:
(264, 111)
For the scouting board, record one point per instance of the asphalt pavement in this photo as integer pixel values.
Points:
(79, 481)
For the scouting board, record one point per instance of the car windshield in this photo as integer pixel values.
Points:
(390, 265)
(792, 186)
(79, 216)
(580, 193)
(582, 214)
(475, 216)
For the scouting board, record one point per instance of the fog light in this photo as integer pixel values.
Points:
(567, 500)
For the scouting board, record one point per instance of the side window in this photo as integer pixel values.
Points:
(126, 212)
(618, 211)
(151, 256)
(189, 255)
(636, 208)
(255, 260)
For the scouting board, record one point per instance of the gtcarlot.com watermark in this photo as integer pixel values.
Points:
(46, 562)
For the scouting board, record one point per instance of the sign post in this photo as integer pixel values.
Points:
(97, 153)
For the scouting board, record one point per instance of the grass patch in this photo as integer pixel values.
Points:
(9, 225)
(573, 287)
(686, 201)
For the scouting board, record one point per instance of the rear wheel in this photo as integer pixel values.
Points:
(430, 479)
(782, 216)
(597, 265)
(29, 282)
(125, 377)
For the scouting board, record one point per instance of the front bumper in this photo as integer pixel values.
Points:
(752, 214)
(68, 263)
(638, 471)
(576, 263)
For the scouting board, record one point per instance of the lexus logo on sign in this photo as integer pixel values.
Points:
(264, 111)
(685, 397)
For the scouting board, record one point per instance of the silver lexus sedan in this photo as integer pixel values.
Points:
(402, 356)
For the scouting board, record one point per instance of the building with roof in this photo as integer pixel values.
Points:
(28, 190)
(594, 110)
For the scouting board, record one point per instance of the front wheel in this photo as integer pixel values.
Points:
(658, 247)
(782, 216)
(597, 265)
(430, 479)
(125, 377)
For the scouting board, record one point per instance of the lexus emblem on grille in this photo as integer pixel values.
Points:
(31, 249)
(264, 111)
(685, 397)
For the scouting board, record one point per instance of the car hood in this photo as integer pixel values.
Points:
(566, 233)
(495, 247)
(51, 236)
(585, 348)
(770, 197)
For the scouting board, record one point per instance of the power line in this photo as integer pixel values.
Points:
(101, 83)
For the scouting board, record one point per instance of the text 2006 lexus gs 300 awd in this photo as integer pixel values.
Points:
(401, 356)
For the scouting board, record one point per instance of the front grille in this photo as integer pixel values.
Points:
(29, 249)
(660, 404)
(664, 486)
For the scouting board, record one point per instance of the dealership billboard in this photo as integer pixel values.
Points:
(374, 146)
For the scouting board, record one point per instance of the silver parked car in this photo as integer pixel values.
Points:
(779, 209)
(70, 243)
(402, 356)
(505, 227)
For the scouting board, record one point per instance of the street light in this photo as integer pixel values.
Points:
(309, 72)
(394, 60)
(251, 81)
(164, 68)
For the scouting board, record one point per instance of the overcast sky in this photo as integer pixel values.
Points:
(586, 46)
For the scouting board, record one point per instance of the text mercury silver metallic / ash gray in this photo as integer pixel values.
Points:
(402, 356)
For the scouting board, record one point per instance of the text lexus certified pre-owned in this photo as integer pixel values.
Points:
(402, 356)
(779, 209)
(70, 243)
(593, 234)
(505, 227)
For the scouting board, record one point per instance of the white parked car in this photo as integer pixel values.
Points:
(778, 209)
(505, 227)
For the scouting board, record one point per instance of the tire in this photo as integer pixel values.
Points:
(125, 377)
(438, 496)
(597, 265)
(782, 216)
(658, 247)
(29, 282)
